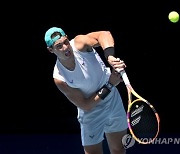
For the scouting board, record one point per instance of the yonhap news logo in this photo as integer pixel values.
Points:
(162, 140)
(128, 141)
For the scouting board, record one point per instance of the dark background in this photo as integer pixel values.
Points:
(144, 38)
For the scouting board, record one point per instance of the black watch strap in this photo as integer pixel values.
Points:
(109, 85)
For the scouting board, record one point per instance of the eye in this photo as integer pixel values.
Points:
(66, 42)
(59, 46)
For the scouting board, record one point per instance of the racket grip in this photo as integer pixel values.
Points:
(124, 75)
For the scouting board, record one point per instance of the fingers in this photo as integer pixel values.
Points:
(118, 59)
(118, 64)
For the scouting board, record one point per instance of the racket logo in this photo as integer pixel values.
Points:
(128, 141)
(138, 110)
(136, 121)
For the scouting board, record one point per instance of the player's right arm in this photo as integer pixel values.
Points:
(75, 96)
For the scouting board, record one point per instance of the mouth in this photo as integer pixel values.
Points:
(67, 53)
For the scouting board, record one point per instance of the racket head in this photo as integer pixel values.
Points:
(143, 121)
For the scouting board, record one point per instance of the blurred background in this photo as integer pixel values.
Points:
(31, 104)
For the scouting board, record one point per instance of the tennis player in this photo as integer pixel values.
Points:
(82, 76)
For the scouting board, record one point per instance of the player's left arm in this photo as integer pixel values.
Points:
(105, 40)
(94, 39)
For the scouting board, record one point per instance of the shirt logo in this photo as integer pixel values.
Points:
(101, 91)
(91, 136)
(83, 62)
(71, 81)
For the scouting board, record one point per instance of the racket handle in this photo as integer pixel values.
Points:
(124, 75)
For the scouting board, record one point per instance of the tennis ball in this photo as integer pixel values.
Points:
(173, 16)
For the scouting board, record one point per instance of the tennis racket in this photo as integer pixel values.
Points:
(143, 120)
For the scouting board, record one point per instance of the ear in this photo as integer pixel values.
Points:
(50, 49)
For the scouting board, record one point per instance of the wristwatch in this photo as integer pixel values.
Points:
(109, 85)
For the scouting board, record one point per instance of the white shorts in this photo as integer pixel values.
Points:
(108, 116)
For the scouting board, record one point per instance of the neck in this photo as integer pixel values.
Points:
(68, 63)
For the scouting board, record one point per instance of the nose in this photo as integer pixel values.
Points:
(64, 47)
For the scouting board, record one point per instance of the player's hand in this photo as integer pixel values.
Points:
(116, 63)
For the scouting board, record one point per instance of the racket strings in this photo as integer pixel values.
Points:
(143, 121)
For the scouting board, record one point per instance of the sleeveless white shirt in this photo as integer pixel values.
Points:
(90, 72)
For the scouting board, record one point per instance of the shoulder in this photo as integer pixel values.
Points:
(80, 42)
(79, 39)
(88, 36)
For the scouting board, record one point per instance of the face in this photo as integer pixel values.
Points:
(62, 48)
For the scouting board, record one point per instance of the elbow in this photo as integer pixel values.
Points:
(86, 104)
(86, 107)
(106, 33)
